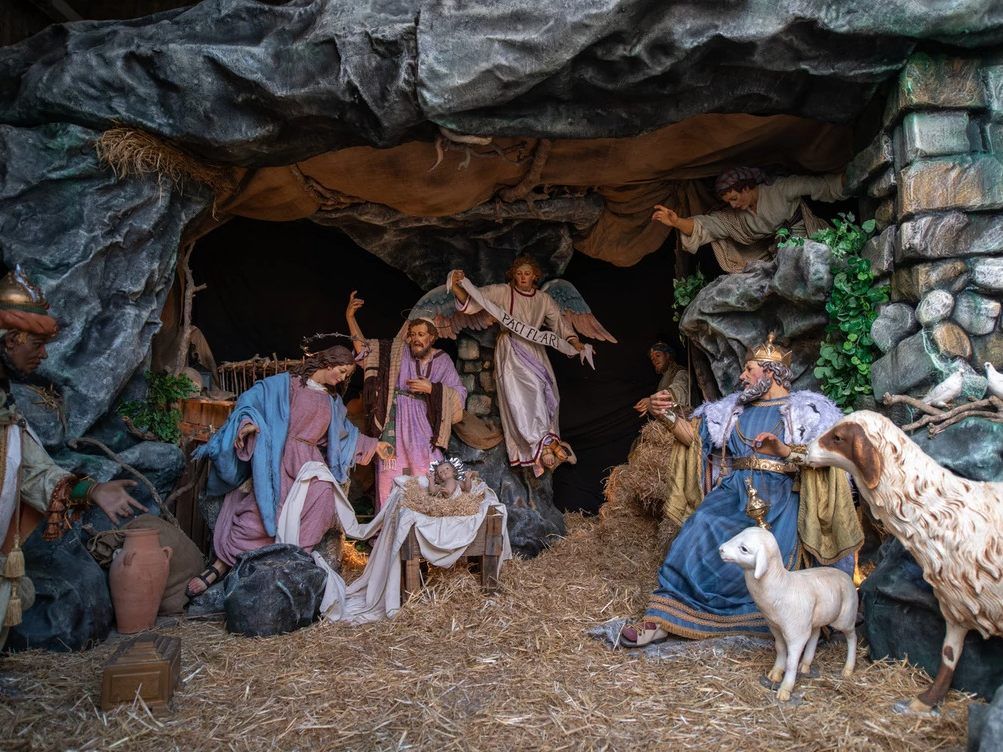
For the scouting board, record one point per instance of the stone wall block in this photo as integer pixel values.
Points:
(868, 163)
(951, 340)
(467, 349)
(469, 382)
(965, 182)
(880, 251)
(988, 349)
(936, 81)
(950, 235)
(907, 367)
(894, 323)
(992, 134)
(975, 313)
(885, 214)
(470, 366)
(487, 380)
(913, 282)
(804, 274)
(993, 78)
(934, 134)
(884, 184)
(935, 306)
(479, 404)
(987, 274)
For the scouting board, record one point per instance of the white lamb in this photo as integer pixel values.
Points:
(952, 526)
(796, 605)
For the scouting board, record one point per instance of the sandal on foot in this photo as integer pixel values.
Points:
(208, 577)
(642, 634)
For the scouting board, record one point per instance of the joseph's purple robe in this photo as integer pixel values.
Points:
(414, 448)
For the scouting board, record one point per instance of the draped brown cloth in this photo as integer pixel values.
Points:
(632, 174)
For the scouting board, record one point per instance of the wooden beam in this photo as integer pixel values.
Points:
(57, 10)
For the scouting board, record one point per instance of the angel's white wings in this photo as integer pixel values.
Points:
(439, 305)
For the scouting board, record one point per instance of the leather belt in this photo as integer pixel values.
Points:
(760, 463)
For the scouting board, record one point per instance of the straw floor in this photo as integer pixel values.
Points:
(457, 670)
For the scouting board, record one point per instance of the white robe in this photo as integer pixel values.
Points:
(528, 399)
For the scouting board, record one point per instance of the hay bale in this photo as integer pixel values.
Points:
(644, 479)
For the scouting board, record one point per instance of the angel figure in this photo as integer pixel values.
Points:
(530, 319)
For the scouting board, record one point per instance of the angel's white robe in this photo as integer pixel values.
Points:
(528, 399)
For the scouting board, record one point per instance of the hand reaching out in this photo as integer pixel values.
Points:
(114, 499)
(767, 443)
(384, 450)
(665, 215)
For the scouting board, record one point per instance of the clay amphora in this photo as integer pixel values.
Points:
(137, 578)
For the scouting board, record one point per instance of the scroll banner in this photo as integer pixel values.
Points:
(521, 328)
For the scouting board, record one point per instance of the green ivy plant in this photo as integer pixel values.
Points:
(844, 363)
(683, 292)
(158, 414)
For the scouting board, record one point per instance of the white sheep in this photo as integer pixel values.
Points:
(796, 605)
(953, 527)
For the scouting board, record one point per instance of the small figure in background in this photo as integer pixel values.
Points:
(673, 377)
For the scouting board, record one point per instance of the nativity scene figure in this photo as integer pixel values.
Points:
(280, 460)
(758, 207)
(530, 318)
(411, 394)
(754, 439)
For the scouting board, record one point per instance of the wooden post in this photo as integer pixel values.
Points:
(411, 561)
(491, 561)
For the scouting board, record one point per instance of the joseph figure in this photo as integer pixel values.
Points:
(411, 393)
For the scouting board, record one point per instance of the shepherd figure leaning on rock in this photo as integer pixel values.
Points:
(280, 458)
(758, 208)
(32, 486)
(759, 435)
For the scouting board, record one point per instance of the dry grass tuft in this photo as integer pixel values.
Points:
(644, 479)
(458, 670)
(133, 152)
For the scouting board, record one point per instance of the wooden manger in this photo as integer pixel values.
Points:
(485, 550)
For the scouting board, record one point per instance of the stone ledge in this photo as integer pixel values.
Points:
(936, 81)
(967, 182)
(868, 163)
(934, 134)
(950, 235)
(913, 282)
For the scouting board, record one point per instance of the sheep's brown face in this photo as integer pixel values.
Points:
(847, 446)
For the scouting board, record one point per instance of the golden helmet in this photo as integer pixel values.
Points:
(769, 352)
(19, 293)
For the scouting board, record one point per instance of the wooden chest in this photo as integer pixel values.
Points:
(149, 665)
(200, 417)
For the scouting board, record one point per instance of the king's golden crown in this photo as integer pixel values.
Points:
(768, 352)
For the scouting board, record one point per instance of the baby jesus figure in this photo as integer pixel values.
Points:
(448, 477)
